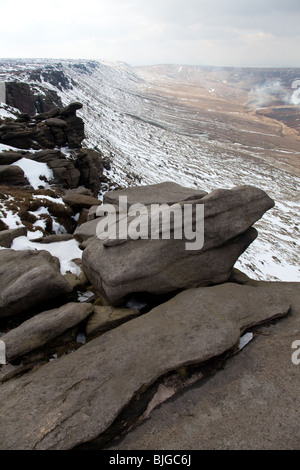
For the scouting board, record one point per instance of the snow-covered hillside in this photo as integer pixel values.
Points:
(153, 135)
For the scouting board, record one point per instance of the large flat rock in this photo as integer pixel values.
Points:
(251, 404)
(167, 192)
(117, 268)
(76, 398)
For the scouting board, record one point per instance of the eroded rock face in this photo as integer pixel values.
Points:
(27, 279)
(20, 95)
(76, 398)
(58, 127)
(117, 268)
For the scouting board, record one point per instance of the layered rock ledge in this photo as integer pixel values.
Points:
(76, 398)
(117, 268)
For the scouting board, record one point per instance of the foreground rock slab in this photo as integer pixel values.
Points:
(117, 268)
(251, 404)
(74, 399)
(27, 279)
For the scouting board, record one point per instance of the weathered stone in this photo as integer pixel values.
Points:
(7, 236)
(56, 122)
(168, 193)
(91, 165)
(7, 158)
(105, 318)
(76, 200)
(44, 131)
(82, 190)
(76, 280)
(252, 403)
(86, 230)
(61, 237)
(75, 399)
(119, 267)
(71, 109)
(46, 155)
(20, 95)
(8, 371)
(83, 216)
(28, 279)
(42, 328)
(64, 172)
(12, 175)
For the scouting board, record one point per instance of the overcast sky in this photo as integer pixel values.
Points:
(141, 32)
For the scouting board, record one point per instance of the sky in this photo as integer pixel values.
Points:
(238, 33)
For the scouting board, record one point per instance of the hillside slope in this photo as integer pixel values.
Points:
(167, 124)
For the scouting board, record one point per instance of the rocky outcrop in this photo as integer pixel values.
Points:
(39, 138)
(52, 75)
(59, 127)
(88, 362)
(7, 158)
(29, 279)
(75, 399)
(160, 266)
(20, 95)
(91, 165)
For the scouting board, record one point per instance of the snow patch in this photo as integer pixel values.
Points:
(65, 251)
(245, 339)
(57, 200)
(5, 113)
(34, 171)
(11, 219)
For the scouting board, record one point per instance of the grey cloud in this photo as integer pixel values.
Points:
(139, 31)
(273, 16)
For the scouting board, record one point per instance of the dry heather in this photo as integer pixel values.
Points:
(22, 202)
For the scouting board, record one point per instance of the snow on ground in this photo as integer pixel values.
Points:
(11, 219)
(6, 148)
(57, 200)
(7, 111)
(35, 172)
(244, 340)
(34, 235)
(65, 251)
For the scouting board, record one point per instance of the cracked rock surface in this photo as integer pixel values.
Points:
(76, 398)
(251, 404)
